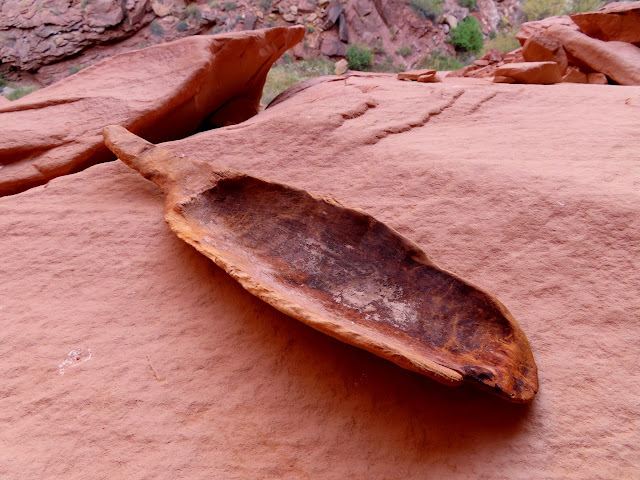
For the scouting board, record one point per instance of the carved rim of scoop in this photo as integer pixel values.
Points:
(340, 271)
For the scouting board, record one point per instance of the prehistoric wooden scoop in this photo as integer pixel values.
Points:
(340, 271)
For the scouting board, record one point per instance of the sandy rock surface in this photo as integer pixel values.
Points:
(164, 92)
(125, 354)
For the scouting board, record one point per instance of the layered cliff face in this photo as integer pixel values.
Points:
(51, 39)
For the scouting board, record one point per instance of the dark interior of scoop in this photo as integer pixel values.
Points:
(354, 269)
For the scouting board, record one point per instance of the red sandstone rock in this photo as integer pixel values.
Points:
(544, 73)
(493, 56)
(574, 75)
(162, 92)
(180, 373)
(540, 48)
(619, 61)
(4, 101)
(539, 27)
(597, 79)
(618, 21)
(415, 74)
(429, 78)
(503, 79)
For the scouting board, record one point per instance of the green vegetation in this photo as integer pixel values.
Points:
(265, 5)
(470, 4)
(192, 12)
(230, 6)
(467, 36)
(405, 51)
(311, 28)
(20, 92)
(359, 58)
(437, 61)
(539, 9)
(76, 68)
(430, 9)
(283, 76)
(156, 29)
(213, 5)
(387, 66)
(182, 26)
(505, 41)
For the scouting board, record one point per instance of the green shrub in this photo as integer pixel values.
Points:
(503, 42)
(21, 92)
(182, 26)
(430, 9)
(311, 28)
(436, 61)
(265, 5)
(192, 11)
(387, 66)
(539, 9)
(3, 82)
(213, 5)
(467, 36)
(289, 73)
(359, 58)
(470, 4)
(578, 6)
(230, 6)
(156, 29)
(76, 68)
(405, 51)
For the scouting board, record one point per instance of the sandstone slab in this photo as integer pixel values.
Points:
(540, 48)
(619, 21)
(539, 27)
(544, 73)
(619, 61)
(415, 74)
(177, 372)
(574, 75)
(163, 92)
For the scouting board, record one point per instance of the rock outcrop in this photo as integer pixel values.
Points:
(577, 54)
(125, 351)
(42, 41)
(542, 73)
(163, 92)
(619, 61)
(618, 21)
(34, 33)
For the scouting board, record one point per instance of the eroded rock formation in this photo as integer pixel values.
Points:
(163, 92)
(125, 351)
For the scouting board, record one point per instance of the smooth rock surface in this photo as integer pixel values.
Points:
(177, 372)
(162, 92)
(543, 73)
(619, 21)
(619, 61)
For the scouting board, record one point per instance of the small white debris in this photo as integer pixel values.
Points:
(75, 358)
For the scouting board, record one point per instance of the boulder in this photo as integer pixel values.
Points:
(597, 79)
(501, 79)
(540, 48)
(341, 67)
(429, 78)
(492, 56)
(415, 74)
(539, 27)
(618, 21)
(128, 354)
(162, 92)
(574, 75)
(333, 47)
(619, 61)
(544, 73)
